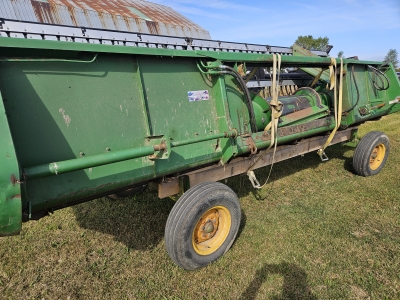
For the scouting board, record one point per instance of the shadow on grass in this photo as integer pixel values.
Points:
(295, 285)
(242, 225)
(289, 167)
(137, 222)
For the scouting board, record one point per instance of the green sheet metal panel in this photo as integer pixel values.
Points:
(167, 83)
(394, 90)
(60, 111)
(360, 93)
(63, 110)
(237, 106)
(10, 193)
(68, 101)
(171, 85)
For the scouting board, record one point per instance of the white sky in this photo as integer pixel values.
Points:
(366, 28)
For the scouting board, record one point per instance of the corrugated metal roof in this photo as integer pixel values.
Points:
(122, 15)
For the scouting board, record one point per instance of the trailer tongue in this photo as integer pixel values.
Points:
(88, 112)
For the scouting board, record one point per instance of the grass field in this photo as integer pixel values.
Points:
(316, 231)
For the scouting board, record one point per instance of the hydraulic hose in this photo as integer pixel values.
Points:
(379, 74)
(246, 92)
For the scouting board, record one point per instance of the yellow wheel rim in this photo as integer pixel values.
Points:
(211, 230)
(377, 156)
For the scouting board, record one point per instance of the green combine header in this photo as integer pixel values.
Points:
(88, 112)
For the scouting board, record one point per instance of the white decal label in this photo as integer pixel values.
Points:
(198, 95)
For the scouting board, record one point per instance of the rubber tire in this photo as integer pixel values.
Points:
(185, 215)
(362, 154)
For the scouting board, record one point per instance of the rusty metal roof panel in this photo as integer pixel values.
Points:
(122, 15)
(22, 11)
(7, 9)
(120, 24)
(72, 16)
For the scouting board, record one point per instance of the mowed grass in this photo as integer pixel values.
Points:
(316, 231)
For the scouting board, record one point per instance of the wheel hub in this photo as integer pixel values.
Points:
(211, 230)
(207, 226)
(377, 156)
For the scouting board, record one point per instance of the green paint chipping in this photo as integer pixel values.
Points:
(139, 13)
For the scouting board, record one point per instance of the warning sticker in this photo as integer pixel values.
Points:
(198, 95)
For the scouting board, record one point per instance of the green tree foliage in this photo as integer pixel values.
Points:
(340, 54)
(391, 56)
(310, 43)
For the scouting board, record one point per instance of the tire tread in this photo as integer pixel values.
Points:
(363, 152)
(186, 207)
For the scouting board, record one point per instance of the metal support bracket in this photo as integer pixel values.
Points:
(173, 187)
(354, 140)
(162, 147)
(252, 146)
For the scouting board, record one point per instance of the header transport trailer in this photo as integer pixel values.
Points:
(89, 112)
